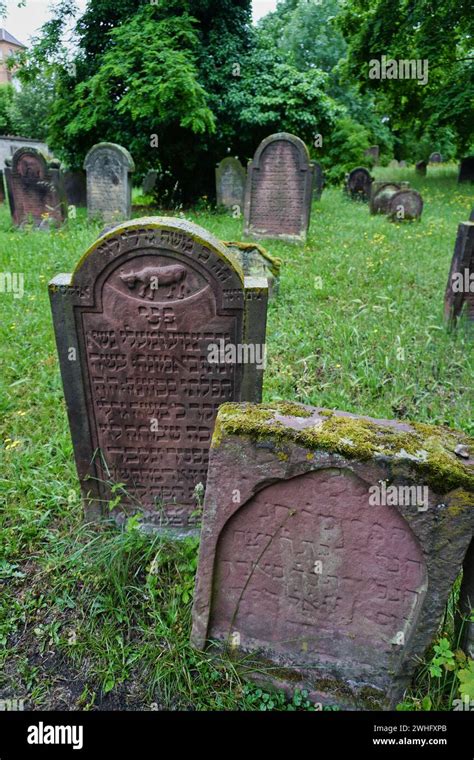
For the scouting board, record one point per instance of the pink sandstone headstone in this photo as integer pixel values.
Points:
(35, 191)
(329, 546)
(459, 295)
(279, 189)
(137, 324)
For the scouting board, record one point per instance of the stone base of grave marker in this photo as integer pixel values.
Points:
(257, 262)
(459, 295)
(330, 544)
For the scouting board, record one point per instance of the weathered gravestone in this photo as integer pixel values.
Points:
(398, 201)
(75, 187)
(466, 169)
(402, 164)
(329, 547)
(2, 188)
(155, 328)
(257, 262)
(230, 184)
(459, 295)
(149, 182)
(436, 158)
(279, 189)
(420, 168)
(109, 186)
(318, 180)
(393, 164)
(373, 153)
(358, 184)
(35, 190)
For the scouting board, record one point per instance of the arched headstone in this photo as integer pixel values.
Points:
(109, 185)
(35, 191)
(230, 184)
(359, 183)
(155, 328)
(436, 158)
(278, 190)
(323, 572)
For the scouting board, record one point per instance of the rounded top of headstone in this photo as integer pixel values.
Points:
(122, 153)
(27, 152)
(194, 231)
(283, 137)
(359, 169)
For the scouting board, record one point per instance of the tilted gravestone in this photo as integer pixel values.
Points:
(109, 186)
(155, 328)
(257, 262)
(358, 184)
(378, 191)
(279, 189)
(466, 169)
(230, 184)
(459, 295)
(373, 153)
(149, 182)
(397, 200)
(420, 168)
(329, 547)
(75, 187)
(35, 190)
(436, 158)
(318, 180)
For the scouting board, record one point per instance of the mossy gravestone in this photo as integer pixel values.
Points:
(109, 185)
(279, 189)
(329, 547)
(230, 184)
(155, 328)
(35, 191)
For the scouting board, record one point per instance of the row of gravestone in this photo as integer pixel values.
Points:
(395, 199)
(305, 564)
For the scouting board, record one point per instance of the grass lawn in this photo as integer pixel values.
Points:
(94, 618)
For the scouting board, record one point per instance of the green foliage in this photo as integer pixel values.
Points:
(257, 699)
(440, 33)
(346, 148)
(30, 107)
(6, 98)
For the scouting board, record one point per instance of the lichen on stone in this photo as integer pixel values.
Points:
(427, 448)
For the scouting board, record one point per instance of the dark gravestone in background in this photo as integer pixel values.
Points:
(35, 190)
(230, 184)
(436, 158)
(279, 189)
(373, 153)
(303, 573)
(459, 295)
(2, 188)
(109, 186)
(397, 200)
(466, 169)
(378, 194)
(420, 168)
(358, 184)
(75, 187)
(139, 312)
(318, 180)
(149, 182)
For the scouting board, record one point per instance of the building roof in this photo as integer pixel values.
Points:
(7, 37)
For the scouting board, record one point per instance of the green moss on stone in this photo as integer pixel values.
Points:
(429, 448)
